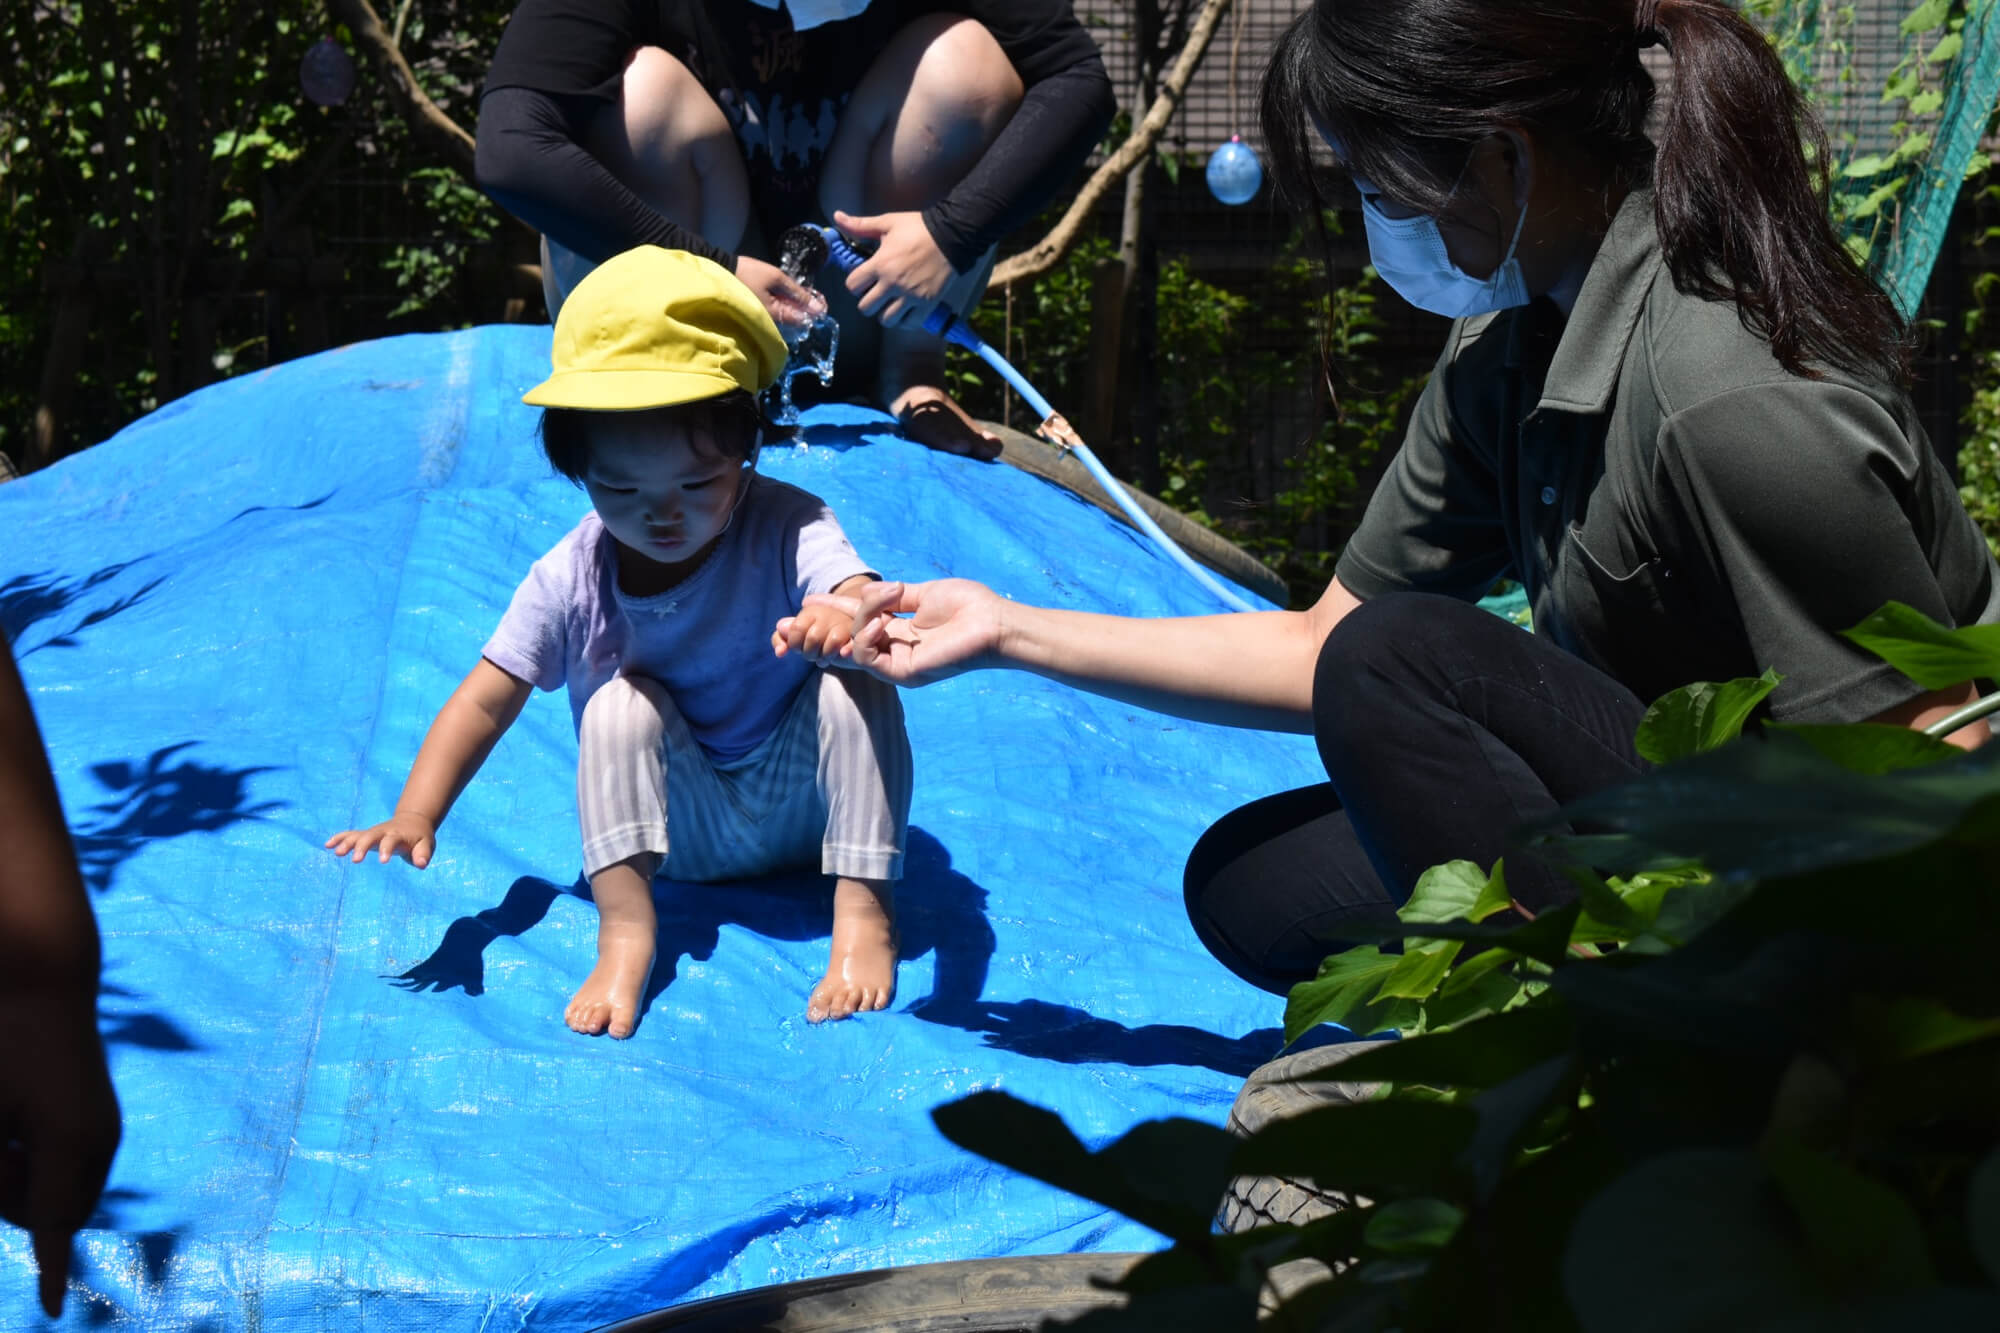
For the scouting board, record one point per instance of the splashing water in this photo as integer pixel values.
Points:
(813, 350)
(801, 254)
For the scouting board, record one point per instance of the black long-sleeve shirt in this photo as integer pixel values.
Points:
(560, 61)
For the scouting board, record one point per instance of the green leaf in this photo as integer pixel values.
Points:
(1930, 14)
(1444, 892)
(1605, 907)
(1700, 716)
(1479, 1054)
(1926, 103)
(1165, 1174)
(1777, 806)
(1419, 972)
(1413, 1226)
(1906, 1027)
(1947, 48)
(1925, 651)
(1343, 993)
(1914, 146)
(1862, 747)
(1485, 990)
(1861, 1226)
(1509, 1111)
(1397, 1145)
(1982, 1215)
(1872, 164)
(1494, 897)
(1545, 939)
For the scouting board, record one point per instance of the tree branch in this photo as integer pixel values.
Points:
(440, 132)
(1138, 145)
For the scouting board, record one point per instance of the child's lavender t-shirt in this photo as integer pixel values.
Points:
(708, 640)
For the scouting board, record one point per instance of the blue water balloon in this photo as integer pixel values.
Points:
(327, 72)
(1234, 173)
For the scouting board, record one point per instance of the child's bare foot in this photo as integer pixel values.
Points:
(608, 1000)
(627, 931)
(861, 971)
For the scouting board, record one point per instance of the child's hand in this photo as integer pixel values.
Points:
(409, 835)
(823, 630)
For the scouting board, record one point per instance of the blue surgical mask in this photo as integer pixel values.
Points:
(1409, 253)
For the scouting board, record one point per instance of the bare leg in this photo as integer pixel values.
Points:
(627, 934)
(923, 115)
(861, 971)
(671, 145)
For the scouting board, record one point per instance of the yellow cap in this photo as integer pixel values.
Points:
(652, 328)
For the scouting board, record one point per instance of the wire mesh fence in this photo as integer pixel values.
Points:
(379, 248)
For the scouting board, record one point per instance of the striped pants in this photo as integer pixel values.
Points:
(832, 779)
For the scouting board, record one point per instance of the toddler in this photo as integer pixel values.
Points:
(701, 751)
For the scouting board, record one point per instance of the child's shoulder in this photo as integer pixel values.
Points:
(574, 560)
(768, 492)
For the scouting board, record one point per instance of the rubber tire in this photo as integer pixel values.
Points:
(1275, 1092)
(1013, 1295)
(1283, 1088)
(1206, 545)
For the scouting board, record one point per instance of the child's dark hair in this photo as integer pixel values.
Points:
(728, 425)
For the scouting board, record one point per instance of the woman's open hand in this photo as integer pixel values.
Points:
(952, 626)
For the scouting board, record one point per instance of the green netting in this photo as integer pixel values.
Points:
(1907, 90)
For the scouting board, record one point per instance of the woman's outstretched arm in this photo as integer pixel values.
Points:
(1253, 669)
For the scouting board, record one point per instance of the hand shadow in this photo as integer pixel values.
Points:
(460, 958)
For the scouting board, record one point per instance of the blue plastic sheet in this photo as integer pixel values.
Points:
(350, 1099)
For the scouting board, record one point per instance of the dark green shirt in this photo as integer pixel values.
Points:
(1676, 504)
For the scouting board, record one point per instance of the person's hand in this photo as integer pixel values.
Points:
(59, 1120)
(953, 626)
(821, 630)
(903, 279)
(405, 833)
(792, 307)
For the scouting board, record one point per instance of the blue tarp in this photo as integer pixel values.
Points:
(350, 1100)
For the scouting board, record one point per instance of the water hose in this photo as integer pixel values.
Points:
(1054, 429)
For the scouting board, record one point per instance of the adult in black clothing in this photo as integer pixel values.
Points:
(928, 131)
(1675, 412)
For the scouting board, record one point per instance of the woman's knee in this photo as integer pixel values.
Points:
(667, 137)
(927, 110)
(1385, 650)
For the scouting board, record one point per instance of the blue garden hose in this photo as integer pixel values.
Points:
(944, 324)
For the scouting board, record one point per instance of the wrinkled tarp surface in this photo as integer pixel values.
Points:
(350, 1100)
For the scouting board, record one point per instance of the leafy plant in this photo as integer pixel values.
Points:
(1211, 371)
(1749, 1079)
(175, 206)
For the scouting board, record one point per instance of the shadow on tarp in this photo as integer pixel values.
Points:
(26, 600)
(164, 796)
(939, 912)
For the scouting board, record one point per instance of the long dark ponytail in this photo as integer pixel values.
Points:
(1407, 87)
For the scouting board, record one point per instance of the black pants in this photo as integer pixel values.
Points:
(1443, 728)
